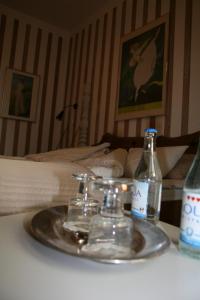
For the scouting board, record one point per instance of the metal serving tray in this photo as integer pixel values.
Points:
(46, 226)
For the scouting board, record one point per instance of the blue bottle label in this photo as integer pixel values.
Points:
(139, 198)
(190, 220)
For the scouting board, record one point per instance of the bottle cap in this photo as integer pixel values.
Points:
(151, 130)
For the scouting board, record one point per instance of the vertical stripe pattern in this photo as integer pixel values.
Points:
(122, 29)
(170, 68)
(68, 112)
(65, 102)
(11, 65)
(44, 91)
(90, 121)
(35, 71)
(78, 85)
(110, 69)
(98, 116)
(55, 90)
(92, 60)
(23, 68)
(186, 71)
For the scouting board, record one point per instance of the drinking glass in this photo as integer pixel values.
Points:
(83, 206)
(111, 232)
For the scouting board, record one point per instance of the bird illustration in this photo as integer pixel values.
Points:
(143, 60)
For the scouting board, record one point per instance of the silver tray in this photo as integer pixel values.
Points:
(46, 227)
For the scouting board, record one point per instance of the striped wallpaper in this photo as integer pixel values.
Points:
(31, 46)
(100, 63)
(88, 58)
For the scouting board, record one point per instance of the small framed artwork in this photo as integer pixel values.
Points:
(142, 75)
(20, 95)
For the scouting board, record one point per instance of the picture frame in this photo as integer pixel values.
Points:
(143, 71)
(20, 95)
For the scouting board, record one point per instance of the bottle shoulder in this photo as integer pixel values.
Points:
(148, 168)
(193, 176)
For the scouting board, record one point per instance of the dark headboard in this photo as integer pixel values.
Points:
(162, 141)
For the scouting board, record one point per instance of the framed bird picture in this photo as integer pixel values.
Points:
(142, 74)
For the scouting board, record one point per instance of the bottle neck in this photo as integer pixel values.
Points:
(150, 142)
(192, 179)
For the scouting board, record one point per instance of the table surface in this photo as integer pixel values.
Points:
(32, 271)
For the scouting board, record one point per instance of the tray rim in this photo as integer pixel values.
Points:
(117, 261)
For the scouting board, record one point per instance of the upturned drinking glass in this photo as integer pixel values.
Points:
(111, 232)
(83, 206)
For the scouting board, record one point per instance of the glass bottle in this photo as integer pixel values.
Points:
(147, 187)
(111, 232)
(189, 240)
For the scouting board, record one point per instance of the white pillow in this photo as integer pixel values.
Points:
(167, 157)
(108, 165)
(132, 162)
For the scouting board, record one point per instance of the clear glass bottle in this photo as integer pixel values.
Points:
(111, 232)
(189, 240)
(147, 188)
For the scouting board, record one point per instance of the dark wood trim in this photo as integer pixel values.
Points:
(133, 16)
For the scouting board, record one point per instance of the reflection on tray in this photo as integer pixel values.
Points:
(47, 227)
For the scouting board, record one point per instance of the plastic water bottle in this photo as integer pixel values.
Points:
(147, 188)
(189, 241)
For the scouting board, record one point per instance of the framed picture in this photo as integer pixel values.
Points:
(20, 96)
(142, 75)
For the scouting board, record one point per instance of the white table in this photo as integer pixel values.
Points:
(31, 271)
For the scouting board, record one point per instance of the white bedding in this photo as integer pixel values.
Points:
(26, 184)
(107, 165)
(41, 179)
(98, 159)
(69, 154)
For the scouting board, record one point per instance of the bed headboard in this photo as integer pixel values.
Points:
(162, 141)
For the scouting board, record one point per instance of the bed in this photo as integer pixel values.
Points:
(43, 179)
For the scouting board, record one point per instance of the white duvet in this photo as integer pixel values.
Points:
(41, 179)
(98, 159)
(27, 184)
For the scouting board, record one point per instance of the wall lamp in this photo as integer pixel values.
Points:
(61, 113)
